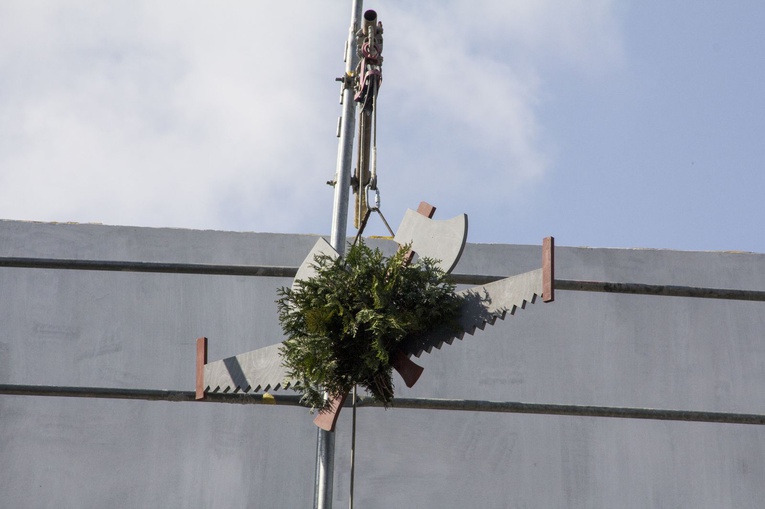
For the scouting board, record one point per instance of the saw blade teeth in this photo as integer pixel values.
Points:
(254, 371)
(483, 305)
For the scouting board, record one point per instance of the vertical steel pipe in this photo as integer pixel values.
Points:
(345, 145)
(325, 443)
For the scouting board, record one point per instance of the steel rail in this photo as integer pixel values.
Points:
(402, 403)
(288, 272)
(661, 290)
(148, 394)
(154, 267)
(568, 410)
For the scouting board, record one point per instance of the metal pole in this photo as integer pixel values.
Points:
(353, 450)
(325, 443)
(345, 145)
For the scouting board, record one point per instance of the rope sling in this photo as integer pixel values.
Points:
(369, 73)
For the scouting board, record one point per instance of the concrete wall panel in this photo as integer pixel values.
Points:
(135, 330)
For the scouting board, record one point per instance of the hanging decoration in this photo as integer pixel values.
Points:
(345, 324)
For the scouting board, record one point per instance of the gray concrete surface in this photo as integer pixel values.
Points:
(138, 331)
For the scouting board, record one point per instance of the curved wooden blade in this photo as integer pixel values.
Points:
(442, 240)
(307, 269)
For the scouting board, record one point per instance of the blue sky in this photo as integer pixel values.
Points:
(605, 124)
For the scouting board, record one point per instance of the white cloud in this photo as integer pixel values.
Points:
(222, 115)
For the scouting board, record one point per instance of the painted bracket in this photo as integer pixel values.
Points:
(409, 370)
(427, 210)
(548, 269)
(328, 419)
(201, 361)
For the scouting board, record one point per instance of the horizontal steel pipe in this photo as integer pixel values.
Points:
(148, 395)
(567, 410)
(289, 272)
(155, 267)
(411, 403)
(186, 268)
(662, 290)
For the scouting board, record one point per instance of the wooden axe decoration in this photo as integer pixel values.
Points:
(261, 370)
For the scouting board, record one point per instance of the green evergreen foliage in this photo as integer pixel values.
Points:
(344, 324)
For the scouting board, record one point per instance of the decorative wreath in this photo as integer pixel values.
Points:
(344, 324)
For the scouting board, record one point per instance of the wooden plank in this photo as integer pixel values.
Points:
(201, 361)
(548, 269)
(328, 419)
(407, 368)
(427, 210)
